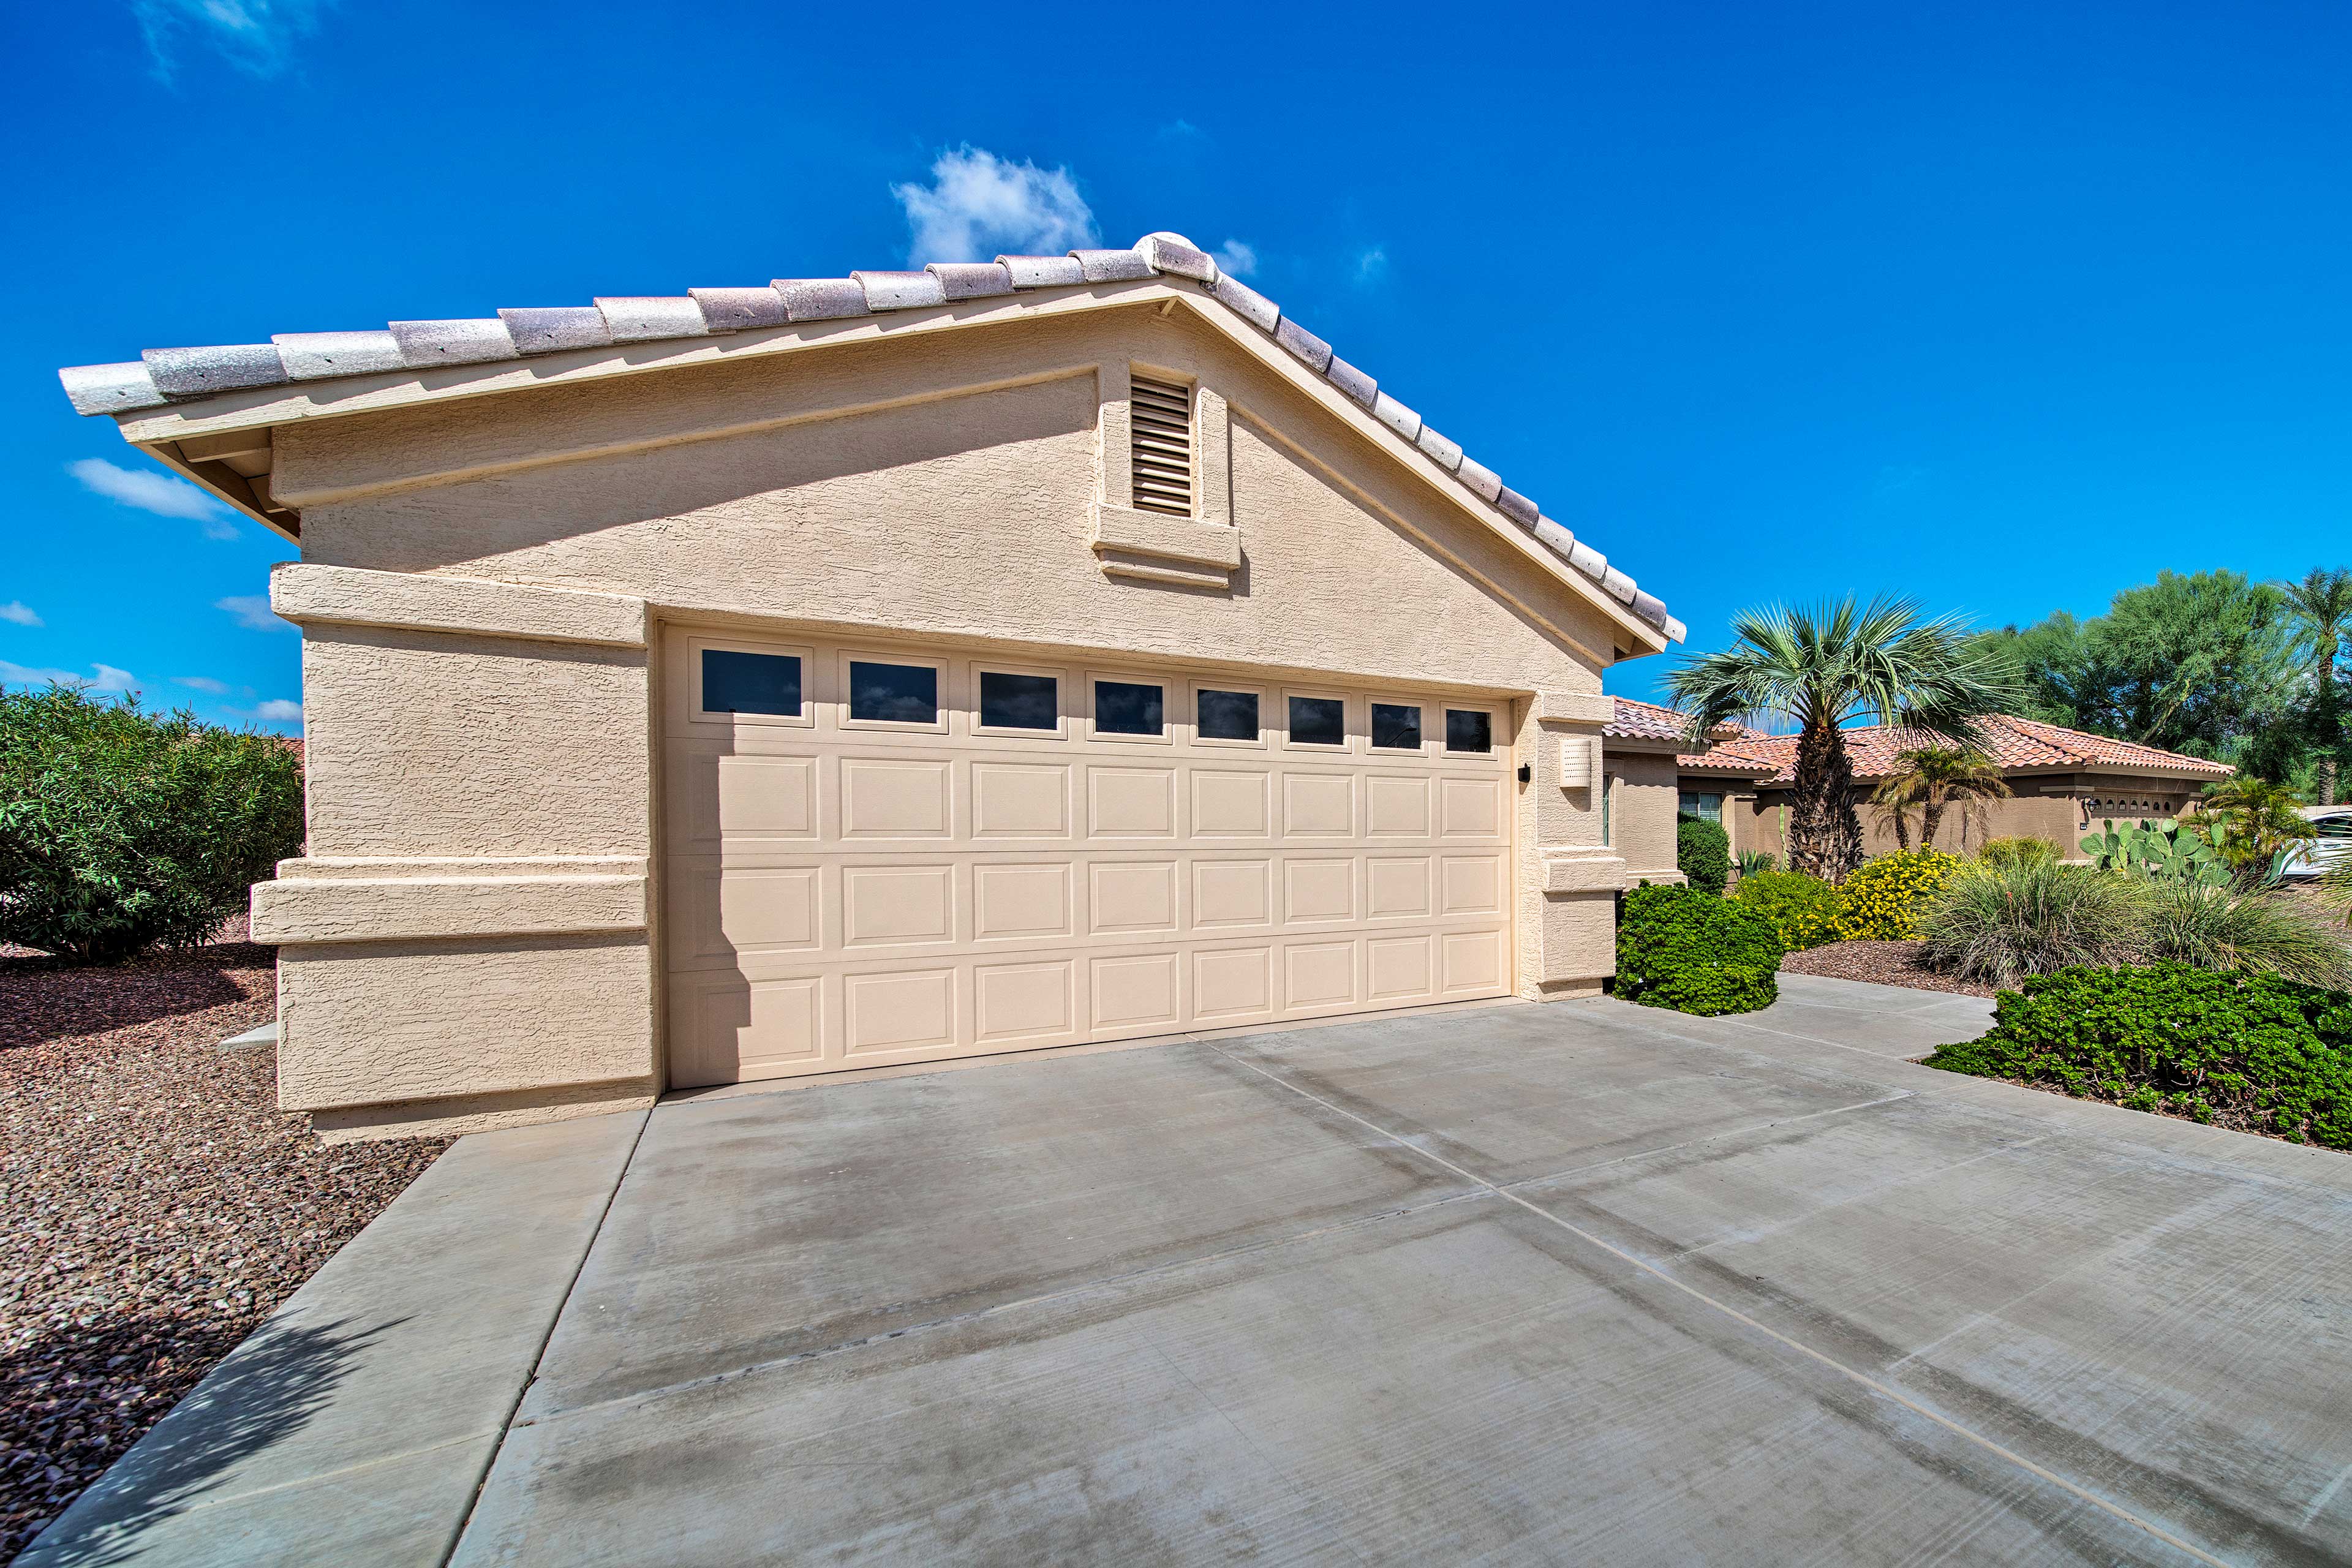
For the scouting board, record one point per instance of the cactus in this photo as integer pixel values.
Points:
(2166, 851)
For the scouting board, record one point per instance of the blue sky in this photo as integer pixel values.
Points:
(2006, 306)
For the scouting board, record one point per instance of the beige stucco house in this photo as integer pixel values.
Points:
(2062, 784)
(863, 673)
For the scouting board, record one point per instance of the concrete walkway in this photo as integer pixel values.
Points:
(1583, 1282)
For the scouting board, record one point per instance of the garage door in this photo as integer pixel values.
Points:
(877, 854)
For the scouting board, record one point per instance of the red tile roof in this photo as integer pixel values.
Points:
(2017, 745)
(1648, 721)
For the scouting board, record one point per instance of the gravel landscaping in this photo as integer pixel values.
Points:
(158, 1204)
(1881, 963)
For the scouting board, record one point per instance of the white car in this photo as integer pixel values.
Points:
(2333, 846)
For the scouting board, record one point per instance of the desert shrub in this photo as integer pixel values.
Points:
(1882, 899)
(2002, 922)
(1702, 853)
(2251, 1050)
(2221, 928)
(1696, 952)
(2014, 851)
(1804, 911)
(121, 829)
(1751, 862)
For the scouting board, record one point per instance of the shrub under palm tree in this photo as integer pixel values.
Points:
(1935, 779)
(1817, 667)
(2262, 820)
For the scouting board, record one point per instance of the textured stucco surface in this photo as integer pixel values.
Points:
(372, 1022)
(302, 591)
(294, 909)
(1642, 819)
(942, 488)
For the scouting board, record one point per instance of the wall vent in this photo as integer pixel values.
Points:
(1160, 440)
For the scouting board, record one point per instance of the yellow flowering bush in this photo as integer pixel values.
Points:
(1883, 896)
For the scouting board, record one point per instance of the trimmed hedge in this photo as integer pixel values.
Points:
(1885, 895)
(2247, 1051)
(1804, 911)
(121, 830)
(1703, 854)
(1696, 952)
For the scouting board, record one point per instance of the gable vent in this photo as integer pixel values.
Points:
(1160, 425)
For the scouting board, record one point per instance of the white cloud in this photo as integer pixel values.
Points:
(979, 206)
(1371, 264)
(254, 36)
(103, 677)
(159, 494)
(278, 710)
(205, 683)
(16, 610)
(252, 613)
(1178, 129)
(1238, 257)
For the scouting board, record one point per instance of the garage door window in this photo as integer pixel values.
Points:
(1127, 708)
(1396, 727)
(1226, 715)
(893, 693)
(1469, 730)
(1318, 722)
(735, 682)
(1010, 701)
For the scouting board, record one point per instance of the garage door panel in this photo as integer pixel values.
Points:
(895, 797)
(1130, 802)
(1020, 800)
(843, 897)
(890, 904)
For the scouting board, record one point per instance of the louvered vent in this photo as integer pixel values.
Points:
(1160, 437)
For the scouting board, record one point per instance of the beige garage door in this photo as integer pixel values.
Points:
(878, 855)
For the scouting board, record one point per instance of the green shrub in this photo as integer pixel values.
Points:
(2221, 928)
(1702, 853)
(2014, 851)
(1883, 898)
(1696, 952)
(121, 830)
(2253, 1050)
(1804, 911)
(1754, 862)
(2003, 921)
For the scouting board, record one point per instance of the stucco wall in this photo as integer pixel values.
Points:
(2051, 808)
(1641, 822)
(940, 486)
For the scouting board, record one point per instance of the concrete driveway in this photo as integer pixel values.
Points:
(1572, 1283)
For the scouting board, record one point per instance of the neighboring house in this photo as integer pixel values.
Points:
(2063, 782)
(871, 671)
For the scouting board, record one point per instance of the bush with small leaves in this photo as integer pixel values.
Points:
(1804, 911)
(1696, 952)
(1702, 853)
(121, 830)
(1883, 898)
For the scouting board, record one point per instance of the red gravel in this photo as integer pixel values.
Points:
(1884, 963)
(157, 1204)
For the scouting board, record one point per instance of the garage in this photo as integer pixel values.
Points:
(880, 854)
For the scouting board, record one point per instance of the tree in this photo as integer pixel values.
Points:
(1935, 779)
(2262, 820)
(2320, 610)
(1817, 667)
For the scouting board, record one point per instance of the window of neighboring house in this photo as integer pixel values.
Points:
(1009, 702)
(1160, 441)
(1469, 730)
(894, 693)
(1396, 727)
(736, 682)
(1127, 708)
(1608, 801)
(1707, 807)
(1318, 722)
(1225, 715)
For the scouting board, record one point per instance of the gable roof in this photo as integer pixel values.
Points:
(2017, 745)
(163, 377)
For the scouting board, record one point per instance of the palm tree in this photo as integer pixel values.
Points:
(2261, 819)
(1818, 667)
(1935, 778)
(2321, 606)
